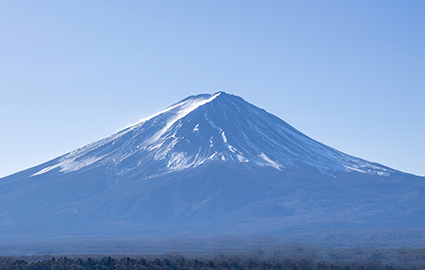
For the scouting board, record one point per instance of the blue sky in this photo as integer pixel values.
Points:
(350, 74)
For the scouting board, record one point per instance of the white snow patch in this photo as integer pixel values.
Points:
(270, 162)
(354, 169)
(162, 152)
(178, 161)
(73, 165)
(70, 165)
(173, 107)
(45, 170)
(231, 148)
(242, 158)
(185, 108)
(224, 137)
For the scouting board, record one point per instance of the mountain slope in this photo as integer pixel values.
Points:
(213, 163)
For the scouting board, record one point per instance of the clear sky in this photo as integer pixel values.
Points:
(350, 74)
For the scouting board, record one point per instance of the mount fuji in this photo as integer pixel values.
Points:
(208, 164)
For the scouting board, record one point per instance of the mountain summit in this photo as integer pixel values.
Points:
(213, 163)
(206, 128)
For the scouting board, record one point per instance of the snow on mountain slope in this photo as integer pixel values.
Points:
(204, 128)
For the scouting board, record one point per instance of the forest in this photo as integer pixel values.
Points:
(181, 263)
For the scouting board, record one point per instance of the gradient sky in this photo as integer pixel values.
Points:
(350, 74)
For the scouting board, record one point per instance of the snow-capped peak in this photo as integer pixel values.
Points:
(204, 128)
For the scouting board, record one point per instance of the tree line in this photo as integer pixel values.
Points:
(127, 263)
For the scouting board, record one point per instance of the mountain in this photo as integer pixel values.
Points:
(208, 164)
